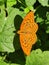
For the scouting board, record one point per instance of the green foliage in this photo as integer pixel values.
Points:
(6, 34)
(37, 57)
(2, 2)
(47, 14)
(2, 18)
(4, 63)
(7, 30)
(11, 2)
(44, 2)
(30, 2)
(12, 13)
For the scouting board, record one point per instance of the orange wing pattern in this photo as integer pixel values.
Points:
(27, 33)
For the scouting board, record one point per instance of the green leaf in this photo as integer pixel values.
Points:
(7, 32)
(2, 19)
(20, 13)
(14, 64)
(0, 58)
(44, 2)
(39, 19)
(47, 30)
(1, 2)
(4, 63)
(8, 38)
(47, 14)
(41, 14)
(27, 9)
(11, 2)
(47, 24)
(37, 57)
(30, 2)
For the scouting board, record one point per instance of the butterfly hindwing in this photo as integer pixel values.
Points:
(27, 40)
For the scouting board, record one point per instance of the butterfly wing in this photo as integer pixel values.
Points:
(28, 23)
(27, 32)
(27, 40)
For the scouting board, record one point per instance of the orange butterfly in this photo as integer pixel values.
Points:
(27, 32)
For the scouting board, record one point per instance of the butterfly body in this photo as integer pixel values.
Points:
(27, 32)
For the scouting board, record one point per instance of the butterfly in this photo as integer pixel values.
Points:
(27, 33)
